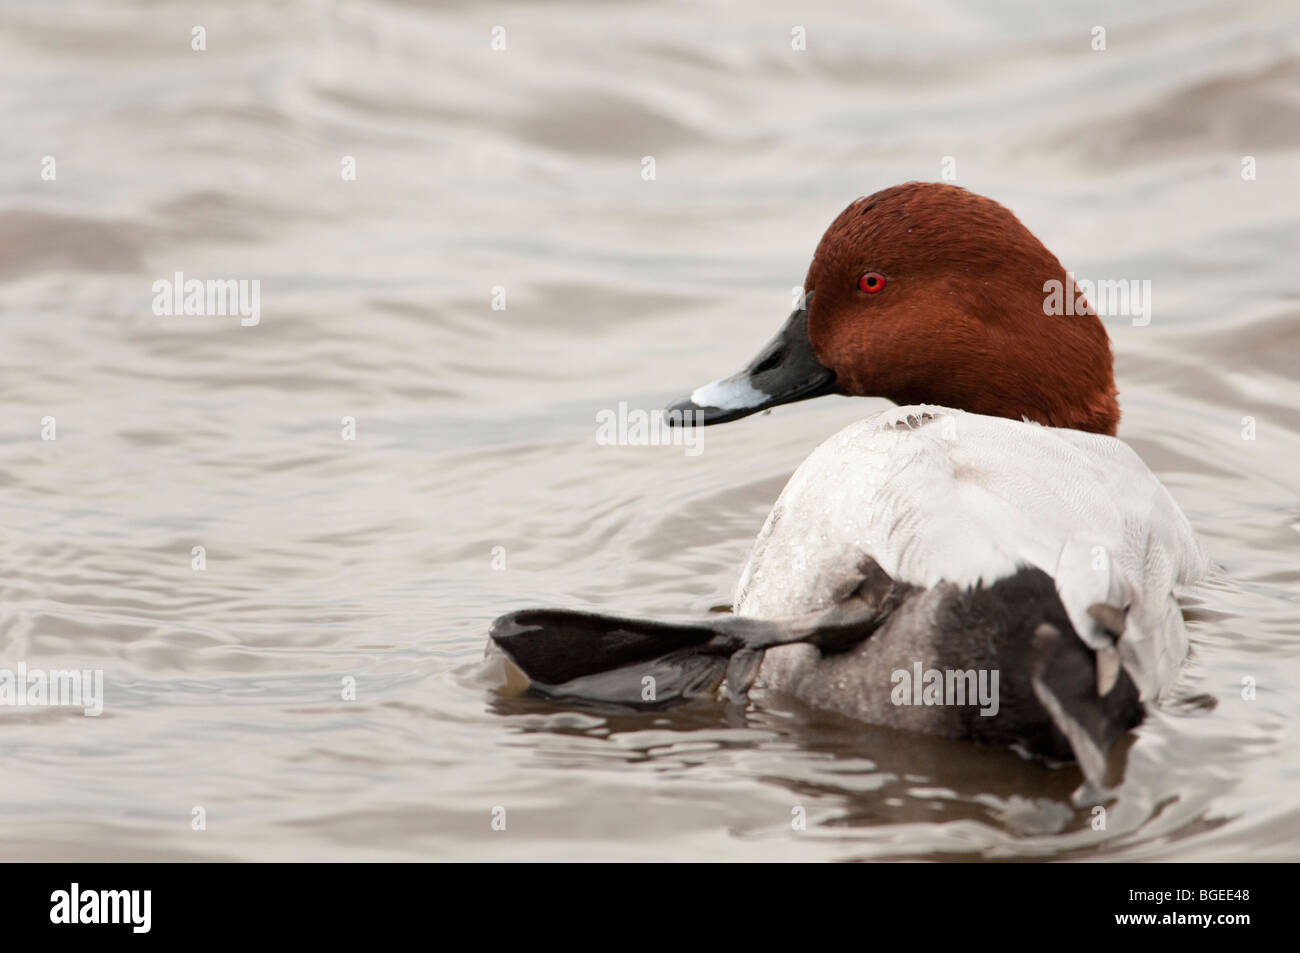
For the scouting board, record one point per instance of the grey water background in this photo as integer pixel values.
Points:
(374, 559)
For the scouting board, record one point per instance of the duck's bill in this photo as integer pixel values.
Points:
(785, 371)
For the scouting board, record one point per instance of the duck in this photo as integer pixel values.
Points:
(985, 560)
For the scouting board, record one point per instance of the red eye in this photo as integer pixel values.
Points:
(871, 282)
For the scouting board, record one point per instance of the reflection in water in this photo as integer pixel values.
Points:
(863, 776)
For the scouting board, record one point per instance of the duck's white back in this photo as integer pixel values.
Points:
(937, 494)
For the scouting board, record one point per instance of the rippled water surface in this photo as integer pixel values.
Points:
(378, 559)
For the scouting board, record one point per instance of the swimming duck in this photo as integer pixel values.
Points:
(989, 536)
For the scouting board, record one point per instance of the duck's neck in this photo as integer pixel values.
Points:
(1056, 370)
(1098, 414)
(1059, 380)
(1068, 378)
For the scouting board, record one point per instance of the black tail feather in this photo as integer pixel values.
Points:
(598, 657)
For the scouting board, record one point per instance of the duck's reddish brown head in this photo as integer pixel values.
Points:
(926, 293)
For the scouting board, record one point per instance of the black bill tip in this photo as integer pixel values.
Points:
(785, 371)
(687, 413)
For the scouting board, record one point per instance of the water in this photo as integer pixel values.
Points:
(373, 559)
